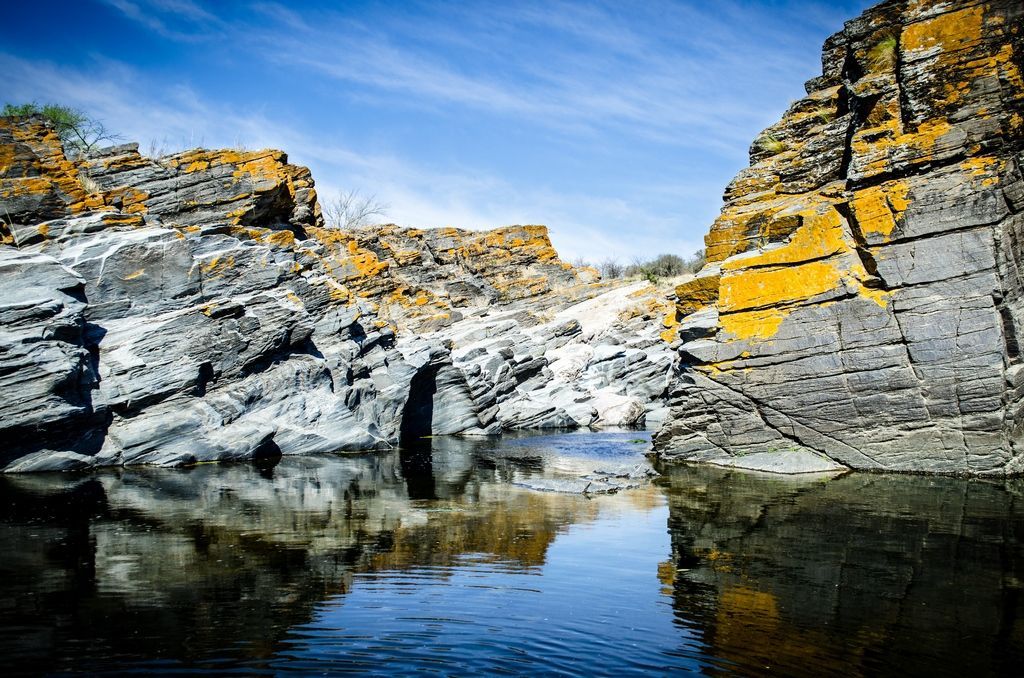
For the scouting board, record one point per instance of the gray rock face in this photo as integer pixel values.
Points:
(863, 296)
(193, 308)
(46, 372)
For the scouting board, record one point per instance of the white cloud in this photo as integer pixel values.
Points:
(589, 80)
(418, 196)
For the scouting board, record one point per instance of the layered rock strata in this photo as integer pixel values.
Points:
(195, 308)
(863, 296)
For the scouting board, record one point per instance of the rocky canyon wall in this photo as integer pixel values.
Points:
(195, 308)
(863, 297)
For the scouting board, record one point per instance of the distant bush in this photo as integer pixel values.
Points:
(661, 266)
(611, 268)
(77, 131)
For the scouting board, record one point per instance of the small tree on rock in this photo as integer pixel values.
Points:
(350, 210)
(77, 131)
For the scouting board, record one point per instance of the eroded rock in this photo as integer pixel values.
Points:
(194, 308)
(862, 296)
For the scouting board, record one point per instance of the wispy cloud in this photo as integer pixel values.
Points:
(419, 196)
(616, 125)
(181, 20)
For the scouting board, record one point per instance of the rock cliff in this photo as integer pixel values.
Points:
(195, 308)
(863, 295)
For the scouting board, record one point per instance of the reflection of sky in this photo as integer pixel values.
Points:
(601, 444)
(618, 125)
(595, 604)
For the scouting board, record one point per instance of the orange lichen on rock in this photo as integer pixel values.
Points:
(984, 168)
(696, 293)
(671, 324)
(821, 235)
(762, 288)
(521, 288)
(216, 266)
(948, 31)
(365, 261)
(878, 209)
(873, 149)
(756, 325)
(7, 156)
(282, 238)
(35, 166)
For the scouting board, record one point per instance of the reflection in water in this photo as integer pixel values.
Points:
(445, 559)
(861, 574)
(224, 566)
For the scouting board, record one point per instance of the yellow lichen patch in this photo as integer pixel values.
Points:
(135, 274)
(236, 215)
(216, 266)
(1010, 70)
(134, 201)
(365, 261)
(880, 297)
(759, 288)
(398, 296)
(696, 293)
(757, 325)
(986, 168)
(522, 288)
(671, 331)
(123, 220)
(948, 31)
(43, 230)
(6, 158)
(729, 235)
(821, 235)
(338, 292)
(124, 162)
(878, 209)
(282, 238)
(27, 186)
(259, 166)
(294, 298)
(197, 166)
(876, 144)
(407, 257)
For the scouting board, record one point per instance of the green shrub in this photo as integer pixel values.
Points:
(825, 115)
(883, 54)
(771, 144)
(77, 131)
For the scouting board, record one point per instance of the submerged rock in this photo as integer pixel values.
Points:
(862, 297)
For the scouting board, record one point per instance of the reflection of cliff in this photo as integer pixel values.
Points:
(860, 574)
(222, 560)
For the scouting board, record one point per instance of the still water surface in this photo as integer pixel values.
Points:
(450, 561)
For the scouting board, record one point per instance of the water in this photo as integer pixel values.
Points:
(450, 561)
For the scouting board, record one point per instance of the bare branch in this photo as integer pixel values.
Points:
(351, 210)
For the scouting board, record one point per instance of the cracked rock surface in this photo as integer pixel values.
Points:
(194, 308)
(863, 295)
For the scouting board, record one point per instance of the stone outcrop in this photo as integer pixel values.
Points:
(195, 308)
(863, 296)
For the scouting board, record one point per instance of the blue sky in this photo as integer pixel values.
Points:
(617, 124)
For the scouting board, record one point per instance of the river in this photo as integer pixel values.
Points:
(458, 559)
